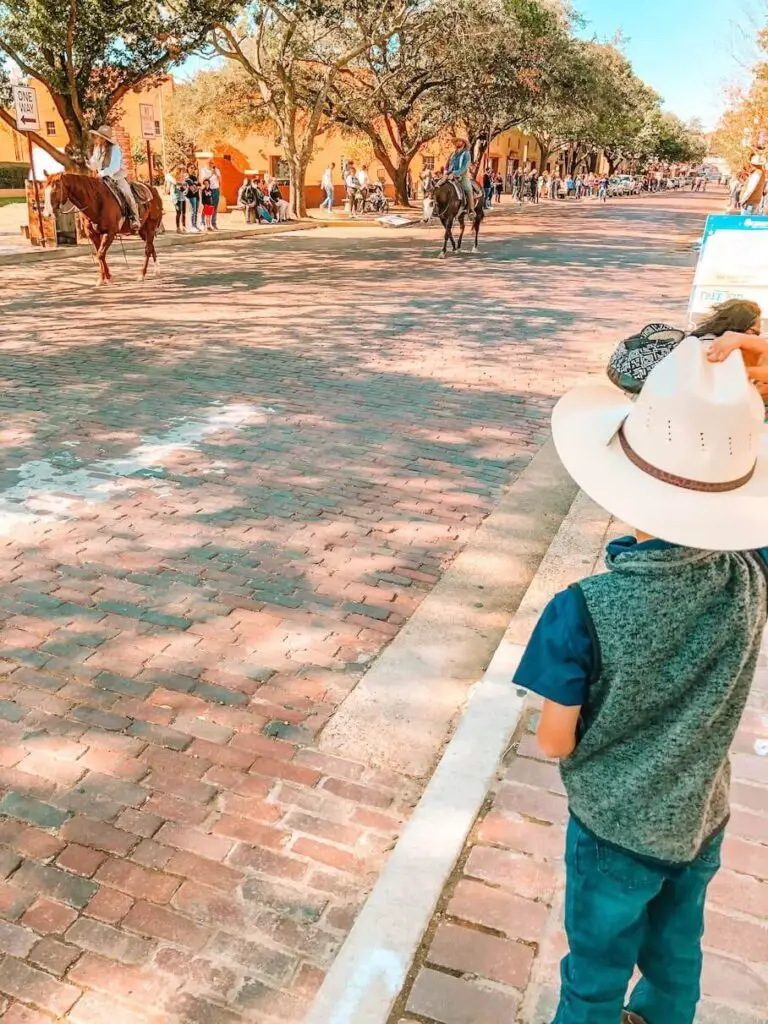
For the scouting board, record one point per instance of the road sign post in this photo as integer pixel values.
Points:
(148, 131)
(28, 120)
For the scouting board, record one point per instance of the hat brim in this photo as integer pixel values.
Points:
(102, 135)
(585, 425)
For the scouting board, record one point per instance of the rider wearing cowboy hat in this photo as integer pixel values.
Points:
(107, 161)
(458, 168)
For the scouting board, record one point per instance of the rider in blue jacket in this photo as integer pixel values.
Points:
(458, 168)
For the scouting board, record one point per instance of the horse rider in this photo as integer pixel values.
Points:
(107, 161)
(458, 170)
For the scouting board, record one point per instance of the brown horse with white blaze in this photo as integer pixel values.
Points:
(103, 214)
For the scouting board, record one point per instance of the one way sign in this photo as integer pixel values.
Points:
(27, 116)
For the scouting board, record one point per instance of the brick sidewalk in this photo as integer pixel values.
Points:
(492, 952)
(220, 496)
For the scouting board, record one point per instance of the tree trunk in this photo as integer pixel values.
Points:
(397, 172)
(79, 146)
(297, 201)
(400, 181)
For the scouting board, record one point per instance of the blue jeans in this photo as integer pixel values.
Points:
(620, 912)
(488, 195)
(327, 203)
(194, 203)
(265, 215)
(216, 193)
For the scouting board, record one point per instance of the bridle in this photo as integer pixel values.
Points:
(58, 200)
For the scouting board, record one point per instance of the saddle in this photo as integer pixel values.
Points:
(461, 195)
(141, 193)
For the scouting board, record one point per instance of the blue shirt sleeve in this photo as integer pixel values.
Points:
(560, 659)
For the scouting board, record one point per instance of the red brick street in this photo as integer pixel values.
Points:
(222, 494)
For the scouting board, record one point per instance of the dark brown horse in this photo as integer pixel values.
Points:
(449, 204)
(103, 214)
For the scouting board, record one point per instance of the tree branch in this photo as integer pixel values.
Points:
(26, 68)
(69, 68)
(37, 139)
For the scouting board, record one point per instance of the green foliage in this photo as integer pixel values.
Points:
(179, 144)
(90, 53)
(290, 54)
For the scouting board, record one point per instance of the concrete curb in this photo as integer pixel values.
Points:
(369, 971)
(401, 711)
(169, 240)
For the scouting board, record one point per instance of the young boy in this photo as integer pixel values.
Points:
(645, 671)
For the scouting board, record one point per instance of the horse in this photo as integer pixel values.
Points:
(103, 214)
(448, 206)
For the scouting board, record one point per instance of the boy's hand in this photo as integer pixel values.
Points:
(557, 729)
(722, 347)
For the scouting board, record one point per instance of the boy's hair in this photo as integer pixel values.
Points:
(734, 315)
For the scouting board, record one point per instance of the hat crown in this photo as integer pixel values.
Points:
(695, 419)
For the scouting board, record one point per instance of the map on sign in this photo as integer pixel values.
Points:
(733, 264)
(27, 115)
(147, 115)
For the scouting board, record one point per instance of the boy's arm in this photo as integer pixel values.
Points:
(722, 347)
(559, 663)
(557, 730)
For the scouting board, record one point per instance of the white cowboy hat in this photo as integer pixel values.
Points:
(687, 461)
(105, 132)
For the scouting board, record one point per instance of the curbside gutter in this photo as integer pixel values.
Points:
(369, 971)
(168, 240)
(401, 712)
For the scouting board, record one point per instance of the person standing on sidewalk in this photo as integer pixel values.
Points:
(327, 186)
(645, 671)
(487, 187)
(215, 179)
(206, 198)
(179, 199)
(192, 185)
(533, 185)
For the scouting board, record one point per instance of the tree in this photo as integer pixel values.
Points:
(743, 128)
(179, 145)
(621, 103)
(400, 96)
(601, 106)
(90, 53)
(292, 53)
(513, 64)
(664, 137)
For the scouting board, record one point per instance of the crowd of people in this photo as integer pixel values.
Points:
(199, 193)
(199, 196)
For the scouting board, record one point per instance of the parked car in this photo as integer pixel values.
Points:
(631, 185)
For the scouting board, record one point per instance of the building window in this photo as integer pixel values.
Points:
(428, 163)
(50, 127)
(228, 156)
(157, 128)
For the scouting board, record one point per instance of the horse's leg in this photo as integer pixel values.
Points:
(449, 233)
(106, 240)
(479, 215)
(447, 226)
(461, 232)
(95, 237)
